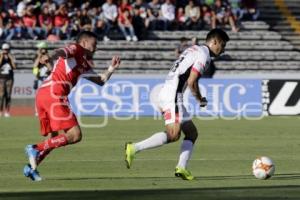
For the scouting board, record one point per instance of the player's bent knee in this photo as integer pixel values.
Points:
(74, 135)
(77, 137)
(173, 132)
(192, 136)
(173, 136)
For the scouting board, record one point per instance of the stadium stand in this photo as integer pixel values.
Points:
(266, 46)
(284, 17)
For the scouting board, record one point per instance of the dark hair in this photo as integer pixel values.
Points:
(217, 33)
(183, 39)
(86, 34)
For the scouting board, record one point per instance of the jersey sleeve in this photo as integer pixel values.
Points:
(73, 50)
(199, 65)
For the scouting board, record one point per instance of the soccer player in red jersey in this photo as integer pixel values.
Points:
(56, 118)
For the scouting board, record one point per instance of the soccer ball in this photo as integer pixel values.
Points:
(263, 167)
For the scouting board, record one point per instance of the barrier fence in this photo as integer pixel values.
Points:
(138, 96)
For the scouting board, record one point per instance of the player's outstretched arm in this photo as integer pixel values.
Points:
(102, 78)
(54, 55)
(194, 87)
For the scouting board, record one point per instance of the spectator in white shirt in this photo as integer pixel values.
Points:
(110, 13)
(168, 14)
(193, 15)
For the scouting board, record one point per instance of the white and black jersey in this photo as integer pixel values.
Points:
(195, 58)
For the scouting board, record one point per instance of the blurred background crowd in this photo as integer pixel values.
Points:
(60, 19)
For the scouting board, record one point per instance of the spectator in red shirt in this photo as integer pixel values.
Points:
(61, 22)
(180, 19)
(125, 20)
(125, 25)
(207, 15)
(46, 21)
(125, 6)
(17, 25)
(30, 22)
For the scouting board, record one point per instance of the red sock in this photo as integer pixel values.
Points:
(52, 143)
(42, 155)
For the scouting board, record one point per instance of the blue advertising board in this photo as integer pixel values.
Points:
(138, 97)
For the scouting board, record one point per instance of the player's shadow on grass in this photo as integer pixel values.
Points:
(237, 177)
(236, 193)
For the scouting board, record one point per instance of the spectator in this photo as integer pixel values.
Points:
(138, 23)
(168, 14)
(125, 21)
(21, 7)
(192, 13)
(30, 23)
(17, 24)
(207, 15)
(61, 22)
(110, 14)
(182, 46)
(143, 9)
(180, 19)
(7, 65)
(51, 7)
(124, 5)
(236, 8)
(46, 21)
(1, 26)
(154, 14)
(85, 21)
(250, 10)
(71, 8)
(75, 24)
(7, 26)
(40, 71)
(99, 26)
(222, 14)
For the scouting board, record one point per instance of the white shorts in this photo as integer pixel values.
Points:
(174, 111)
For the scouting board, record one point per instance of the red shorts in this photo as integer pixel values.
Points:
(54, 113)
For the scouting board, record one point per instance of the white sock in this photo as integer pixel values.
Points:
(185, 153)
(156, 140)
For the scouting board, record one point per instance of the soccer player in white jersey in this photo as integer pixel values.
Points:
(185, 72)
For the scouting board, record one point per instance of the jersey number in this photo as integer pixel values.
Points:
(176, 64)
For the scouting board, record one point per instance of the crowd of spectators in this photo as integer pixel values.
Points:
(61, 19)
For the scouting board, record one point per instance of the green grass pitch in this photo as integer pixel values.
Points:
(95, 168)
